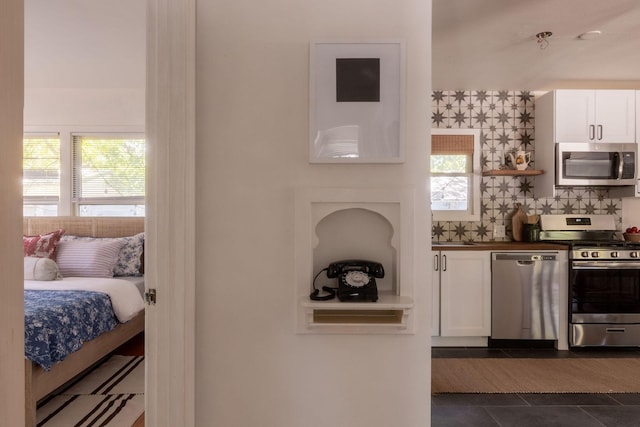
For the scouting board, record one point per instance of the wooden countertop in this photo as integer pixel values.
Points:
(497, 246)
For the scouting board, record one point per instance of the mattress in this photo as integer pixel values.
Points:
(138, 281)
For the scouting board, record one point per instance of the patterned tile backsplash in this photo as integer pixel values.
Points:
(507, 122)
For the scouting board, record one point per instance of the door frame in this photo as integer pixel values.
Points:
(170, 220)
(12, 368)
(170, 223)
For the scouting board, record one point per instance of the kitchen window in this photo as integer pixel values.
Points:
(455, 174)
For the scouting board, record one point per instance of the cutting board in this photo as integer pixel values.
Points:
(518, 219)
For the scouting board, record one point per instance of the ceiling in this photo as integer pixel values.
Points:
(492, 44)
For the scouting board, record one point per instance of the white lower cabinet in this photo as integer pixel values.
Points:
(461, 296)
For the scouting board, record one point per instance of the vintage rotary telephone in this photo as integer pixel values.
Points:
(356, 281)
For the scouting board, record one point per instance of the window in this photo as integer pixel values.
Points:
(108, 175)
(455, 174)
(41, 175)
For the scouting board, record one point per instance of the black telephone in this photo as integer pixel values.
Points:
(356, 280)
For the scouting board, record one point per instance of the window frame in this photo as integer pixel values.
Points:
(66, 204)
(77, 178)
(473, 198)
(43, 200)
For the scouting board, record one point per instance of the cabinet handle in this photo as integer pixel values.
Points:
(599, 132)
(436, 264)
(444, 263)
(592, 131)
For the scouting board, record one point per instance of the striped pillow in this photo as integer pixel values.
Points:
(130, 259)
(78, 258)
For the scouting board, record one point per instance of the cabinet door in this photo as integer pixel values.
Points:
(574, 115)
(615, 116)
(465, 293)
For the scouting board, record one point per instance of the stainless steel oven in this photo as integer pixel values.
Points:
(604, 294)
(604, 280)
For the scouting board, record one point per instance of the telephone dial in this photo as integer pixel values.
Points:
(356, 281)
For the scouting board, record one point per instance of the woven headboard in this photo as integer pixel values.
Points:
(84, 226)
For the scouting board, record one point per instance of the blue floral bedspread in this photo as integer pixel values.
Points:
(57, 323)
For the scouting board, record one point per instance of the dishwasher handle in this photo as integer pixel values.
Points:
(524, 257)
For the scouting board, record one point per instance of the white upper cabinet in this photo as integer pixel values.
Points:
(595, 116)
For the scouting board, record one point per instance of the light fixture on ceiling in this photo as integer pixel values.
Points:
(542, 39)
(590, 35)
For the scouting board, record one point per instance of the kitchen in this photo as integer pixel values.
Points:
(479, 46)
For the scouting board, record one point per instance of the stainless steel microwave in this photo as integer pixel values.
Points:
(595, 164)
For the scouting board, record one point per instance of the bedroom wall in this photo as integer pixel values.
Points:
(252, 122)
(84, 65)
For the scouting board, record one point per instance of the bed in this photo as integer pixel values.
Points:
(45, 376)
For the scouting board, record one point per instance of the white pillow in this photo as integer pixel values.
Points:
(94, 258)
(36, 268)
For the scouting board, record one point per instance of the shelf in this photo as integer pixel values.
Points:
(388, 313)
(512, 172)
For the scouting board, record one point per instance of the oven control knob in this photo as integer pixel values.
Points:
(633, 254)
(614, 254)
(584, 254)
(594, 255)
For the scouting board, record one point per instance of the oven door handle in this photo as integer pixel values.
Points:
(605, 265)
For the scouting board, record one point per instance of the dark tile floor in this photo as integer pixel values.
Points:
(537, 409)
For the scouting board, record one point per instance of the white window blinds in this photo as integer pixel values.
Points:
(41, 169)
(108, 169)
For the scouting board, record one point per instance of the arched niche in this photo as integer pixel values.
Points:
(357, 233)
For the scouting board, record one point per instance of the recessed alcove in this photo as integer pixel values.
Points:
(357, 233)
(371, 224)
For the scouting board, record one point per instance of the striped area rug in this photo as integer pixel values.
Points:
(110, 395)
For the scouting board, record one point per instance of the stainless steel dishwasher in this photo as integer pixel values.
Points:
(525, 295)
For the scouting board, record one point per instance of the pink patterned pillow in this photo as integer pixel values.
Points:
(43, 245)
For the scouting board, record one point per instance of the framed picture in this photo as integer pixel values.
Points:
(356, 102)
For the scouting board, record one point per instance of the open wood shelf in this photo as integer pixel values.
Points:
(512, 172)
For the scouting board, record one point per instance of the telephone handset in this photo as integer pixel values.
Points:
(356, 280)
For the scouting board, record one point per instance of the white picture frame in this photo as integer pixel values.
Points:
(356, 101)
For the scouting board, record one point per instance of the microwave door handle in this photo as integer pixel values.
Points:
(620, 165)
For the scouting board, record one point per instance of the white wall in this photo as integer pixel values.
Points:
(252, 126)
(84, 64)
(630, 212)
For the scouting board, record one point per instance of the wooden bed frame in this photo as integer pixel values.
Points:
(40, 383)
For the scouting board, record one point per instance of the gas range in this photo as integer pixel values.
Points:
(589, 237)
(604, 279)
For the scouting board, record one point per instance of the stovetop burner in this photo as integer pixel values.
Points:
(591, 237)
